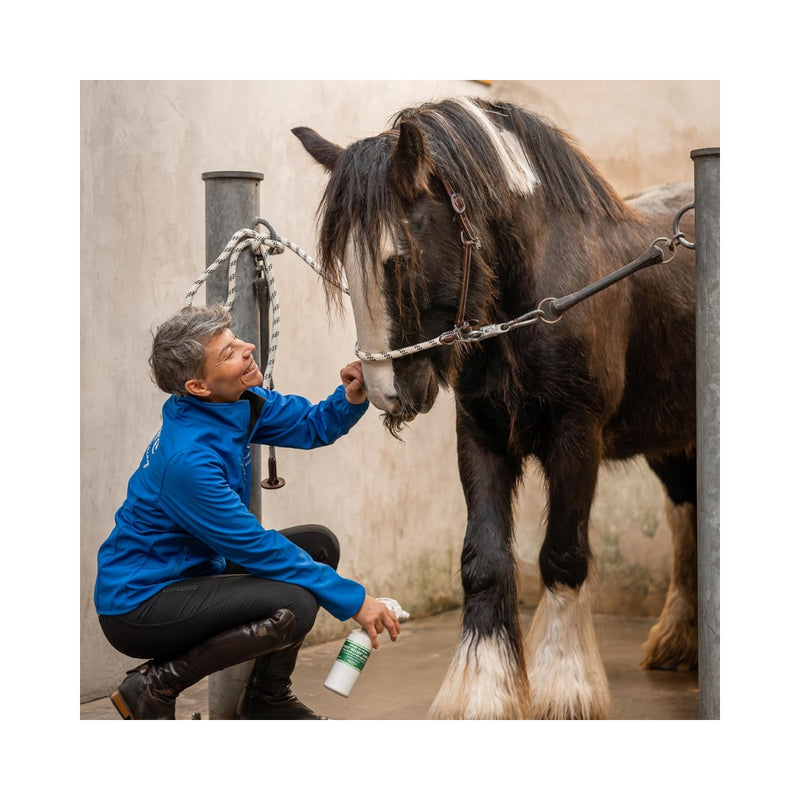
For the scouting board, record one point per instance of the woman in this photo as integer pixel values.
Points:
(188, 578)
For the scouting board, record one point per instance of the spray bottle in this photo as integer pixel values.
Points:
(354, 654)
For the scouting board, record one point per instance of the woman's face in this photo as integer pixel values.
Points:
(229, 370)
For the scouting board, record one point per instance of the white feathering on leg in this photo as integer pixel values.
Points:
(482, 682)
(567, 677)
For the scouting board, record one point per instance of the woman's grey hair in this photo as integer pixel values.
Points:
(179, 346)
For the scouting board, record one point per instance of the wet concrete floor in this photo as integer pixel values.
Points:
(401, 679)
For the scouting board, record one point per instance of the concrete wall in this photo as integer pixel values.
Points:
(397, 508)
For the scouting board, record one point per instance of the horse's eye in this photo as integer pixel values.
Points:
(417, 221)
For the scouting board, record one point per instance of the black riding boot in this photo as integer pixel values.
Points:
(150, 690)
(268, 693)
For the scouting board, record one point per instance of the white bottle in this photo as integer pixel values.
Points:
(353, 656)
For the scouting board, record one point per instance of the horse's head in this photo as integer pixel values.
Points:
(386, 222)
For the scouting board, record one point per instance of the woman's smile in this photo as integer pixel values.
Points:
(230, 369)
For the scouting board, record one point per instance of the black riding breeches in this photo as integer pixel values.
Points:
(190, 611)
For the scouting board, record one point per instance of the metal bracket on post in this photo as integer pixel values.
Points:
(272, 481)
(232, 203)
(707, 223)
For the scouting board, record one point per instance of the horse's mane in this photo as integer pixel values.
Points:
(461, 147)
(461, 141)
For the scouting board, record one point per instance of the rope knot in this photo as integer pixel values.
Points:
(272, 247)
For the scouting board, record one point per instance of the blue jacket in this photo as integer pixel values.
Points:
(186, 511)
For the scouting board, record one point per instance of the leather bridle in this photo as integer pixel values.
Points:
(469, 239)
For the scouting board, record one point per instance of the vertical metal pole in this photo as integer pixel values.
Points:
(232, 203)
(706, 190)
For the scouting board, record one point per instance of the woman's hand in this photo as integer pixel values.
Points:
(353, 382)
(375, 617)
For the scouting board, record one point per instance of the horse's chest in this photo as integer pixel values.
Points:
(504, 421)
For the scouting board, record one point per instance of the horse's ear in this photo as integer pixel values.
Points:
(321, 150)
(408, 165)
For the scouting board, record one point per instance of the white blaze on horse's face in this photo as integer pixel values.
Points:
(373, 326)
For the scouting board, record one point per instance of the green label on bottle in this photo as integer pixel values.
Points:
(353, 655)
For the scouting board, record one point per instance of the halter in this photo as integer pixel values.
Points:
(469, 239)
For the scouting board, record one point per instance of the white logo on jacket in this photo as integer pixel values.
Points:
(151, 448)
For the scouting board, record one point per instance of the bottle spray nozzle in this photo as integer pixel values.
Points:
(394, 606)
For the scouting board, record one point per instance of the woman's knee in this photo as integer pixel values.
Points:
(304, 606)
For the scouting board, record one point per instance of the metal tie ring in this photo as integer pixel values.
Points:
(679, 237)
(544, 313)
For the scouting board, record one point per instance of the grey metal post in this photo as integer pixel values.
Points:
(232, 203)
(706, 198)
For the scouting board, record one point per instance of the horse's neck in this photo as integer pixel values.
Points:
(562, 251)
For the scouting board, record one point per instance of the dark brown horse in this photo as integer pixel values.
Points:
(612, 379)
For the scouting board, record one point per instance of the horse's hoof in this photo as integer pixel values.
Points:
(671, 648)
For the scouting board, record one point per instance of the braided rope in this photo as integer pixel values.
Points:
(269, 274)
(386, 355)
(223, 256)
(310, 261)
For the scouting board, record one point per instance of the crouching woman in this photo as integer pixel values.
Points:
(189, 579)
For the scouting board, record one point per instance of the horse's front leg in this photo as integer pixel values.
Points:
(567, 677)
(487, 677)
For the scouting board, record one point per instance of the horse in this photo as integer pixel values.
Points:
(477, 213)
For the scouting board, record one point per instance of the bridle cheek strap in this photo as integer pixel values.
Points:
(469, 239)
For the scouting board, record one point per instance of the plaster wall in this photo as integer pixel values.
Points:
(397, 508)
